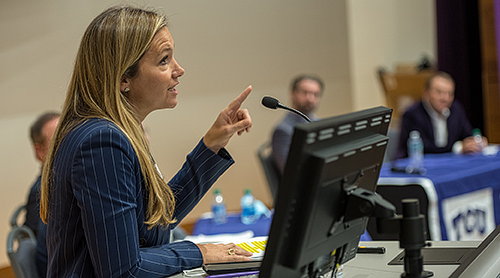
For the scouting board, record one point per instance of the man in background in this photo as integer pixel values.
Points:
(305, 95)
(441, 121)
(41, 133)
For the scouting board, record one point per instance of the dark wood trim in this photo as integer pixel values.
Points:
(6, 272)
(489, 57)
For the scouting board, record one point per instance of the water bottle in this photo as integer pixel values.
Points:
(219, 208)
(415, 153)
(478, 138)
(247, 208)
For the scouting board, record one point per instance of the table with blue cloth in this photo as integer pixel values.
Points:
(206, 226)
(233, 225)
(463, 193)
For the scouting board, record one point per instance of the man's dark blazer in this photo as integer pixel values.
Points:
(417, 118)
(282, 138)
(33, 206)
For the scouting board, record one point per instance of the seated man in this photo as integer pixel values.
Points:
(306, 92)
(441, 121)
(41, 132)
(305, 95)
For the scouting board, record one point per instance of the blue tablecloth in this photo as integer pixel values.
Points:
(233, 225)
(456, 175)
(206, 226)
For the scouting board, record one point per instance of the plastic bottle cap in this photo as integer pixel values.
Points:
(248, 190)
(414, 134)
(217, 191)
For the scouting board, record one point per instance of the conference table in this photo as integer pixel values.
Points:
(463, 192)
(205, 225)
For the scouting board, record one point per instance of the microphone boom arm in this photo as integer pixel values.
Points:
(295, 111)
(273, 103)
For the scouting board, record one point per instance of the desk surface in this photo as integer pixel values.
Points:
(376, 265)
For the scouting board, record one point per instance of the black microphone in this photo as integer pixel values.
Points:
(273, 103)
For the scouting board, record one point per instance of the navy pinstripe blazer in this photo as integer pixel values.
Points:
(98, 205)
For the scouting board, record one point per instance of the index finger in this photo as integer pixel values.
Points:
(241, 98)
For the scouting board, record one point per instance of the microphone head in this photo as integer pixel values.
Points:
(270, 102)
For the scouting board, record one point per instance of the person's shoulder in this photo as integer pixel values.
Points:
(104, 129)
(414, 108)
(415, 115)
(415, 111)
(96, 125)
(286, 125)
(35, 188)
(458, 114)
(456, 106)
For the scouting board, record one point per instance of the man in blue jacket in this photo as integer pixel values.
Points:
(441, 121)
(41, 132)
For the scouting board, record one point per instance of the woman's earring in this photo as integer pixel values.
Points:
(127, 89)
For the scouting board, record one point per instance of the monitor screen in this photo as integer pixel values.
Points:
(327, 159)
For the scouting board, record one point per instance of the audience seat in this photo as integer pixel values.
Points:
(21, 248)
(271, 171)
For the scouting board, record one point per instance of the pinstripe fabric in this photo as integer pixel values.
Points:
(98, 205)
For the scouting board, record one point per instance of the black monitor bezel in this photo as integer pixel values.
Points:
(370, 124)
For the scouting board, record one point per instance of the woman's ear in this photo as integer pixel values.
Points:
(124, 85)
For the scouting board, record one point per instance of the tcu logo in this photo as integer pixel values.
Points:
(469, 216)
(469, 222)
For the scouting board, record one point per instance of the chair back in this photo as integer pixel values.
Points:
(14, 219)
(402, 88)
(271, 171)
(22, 258)
(395, 194)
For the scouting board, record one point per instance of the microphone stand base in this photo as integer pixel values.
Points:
(424, 274)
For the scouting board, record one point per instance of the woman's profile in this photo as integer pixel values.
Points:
(108, 209)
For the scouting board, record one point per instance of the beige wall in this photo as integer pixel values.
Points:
(383, 33)
(224, 45)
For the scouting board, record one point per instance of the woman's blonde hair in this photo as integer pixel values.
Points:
(110, 50)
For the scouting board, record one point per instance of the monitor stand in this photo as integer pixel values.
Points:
(411, 227)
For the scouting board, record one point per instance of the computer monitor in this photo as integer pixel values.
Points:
(327, 159)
